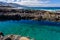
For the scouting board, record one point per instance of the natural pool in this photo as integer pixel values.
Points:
(40, 30)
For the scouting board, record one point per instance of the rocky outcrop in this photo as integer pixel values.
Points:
(18, 14)
(13, 37)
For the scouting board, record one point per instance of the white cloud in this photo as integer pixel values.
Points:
(10, 1)
(38, 3)
(33, 2)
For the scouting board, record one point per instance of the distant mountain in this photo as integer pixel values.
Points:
(16, 5)
(12, 5)
(3, 4)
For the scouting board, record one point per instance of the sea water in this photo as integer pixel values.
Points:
(39, 30)
(45, 8)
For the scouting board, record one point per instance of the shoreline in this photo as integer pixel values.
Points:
(13, 37)
(18, 14)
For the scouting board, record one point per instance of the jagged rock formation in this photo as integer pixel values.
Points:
(13, 37)
(17, 14)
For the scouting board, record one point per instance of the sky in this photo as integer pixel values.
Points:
(35, 3)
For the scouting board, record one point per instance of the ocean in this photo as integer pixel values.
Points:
(39, 30)
(45, 8)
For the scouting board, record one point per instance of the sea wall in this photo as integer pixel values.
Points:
(18, 14)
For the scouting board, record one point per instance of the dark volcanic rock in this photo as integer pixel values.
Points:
(8, 39)
(13, 37)
(1, 34)
(18, 14)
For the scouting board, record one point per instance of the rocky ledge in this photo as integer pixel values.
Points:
(13, 37)
(18, 14)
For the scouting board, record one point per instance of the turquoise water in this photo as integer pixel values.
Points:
(39, 30)
(44, 8)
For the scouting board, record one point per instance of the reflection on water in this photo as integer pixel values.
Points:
(40, 30)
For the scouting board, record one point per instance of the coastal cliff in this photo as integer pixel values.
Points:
(18, 14)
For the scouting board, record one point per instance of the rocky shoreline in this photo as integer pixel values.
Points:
(13, 37)
(18, 14)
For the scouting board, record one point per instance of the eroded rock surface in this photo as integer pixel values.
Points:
(18, 14)
(13, 37)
